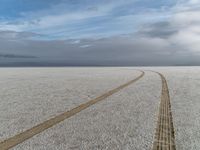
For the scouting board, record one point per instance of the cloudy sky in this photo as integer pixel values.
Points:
(99, 32)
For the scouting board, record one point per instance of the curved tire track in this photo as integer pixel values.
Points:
(164, 137)
(21, 137)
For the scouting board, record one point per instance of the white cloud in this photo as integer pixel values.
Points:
(85, 46)
(186, 20)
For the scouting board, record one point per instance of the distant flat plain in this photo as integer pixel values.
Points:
(125, 120)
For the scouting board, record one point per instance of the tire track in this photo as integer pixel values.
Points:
(21, 137)
(164, 137)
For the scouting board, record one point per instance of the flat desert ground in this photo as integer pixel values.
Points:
(125, 119)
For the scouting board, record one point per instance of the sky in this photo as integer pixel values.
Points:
(99, 32)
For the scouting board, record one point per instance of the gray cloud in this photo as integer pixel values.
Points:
(119, 50)
(158, 29)
(15, 56)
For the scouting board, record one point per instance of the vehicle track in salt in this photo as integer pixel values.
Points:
(164, 137)
(21, 137)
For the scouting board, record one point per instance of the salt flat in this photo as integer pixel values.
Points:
(125, 120)
(30, 96)
(184, 87)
